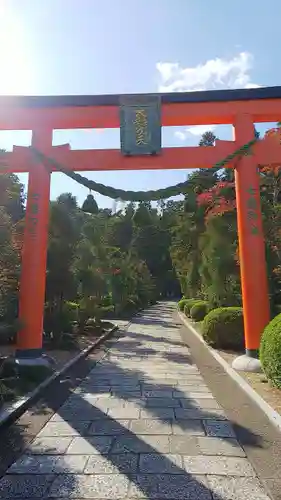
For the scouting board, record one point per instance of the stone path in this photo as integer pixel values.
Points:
(142, 425)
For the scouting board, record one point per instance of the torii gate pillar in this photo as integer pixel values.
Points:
(34, 255)
(254, 282)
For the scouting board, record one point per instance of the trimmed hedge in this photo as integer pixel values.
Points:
(270, 351)
(223, 328)
(189, 304)
(199, 310)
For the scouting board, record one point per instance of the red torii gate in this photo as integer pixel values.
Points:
(42, 115)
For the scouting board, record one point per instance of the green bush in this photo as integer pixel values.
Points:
(189, 304)
(181, 304)
(199, 310)
(270, 351)
(60, 320)
(71, 310)
(223, 328)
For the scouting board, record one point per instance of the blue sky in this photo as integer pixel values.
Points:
(133, 46)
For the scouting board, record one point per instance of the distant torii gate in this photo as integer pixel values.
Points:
(42, 115)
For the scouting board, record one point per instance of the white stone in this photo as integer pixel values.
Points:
(245, 363)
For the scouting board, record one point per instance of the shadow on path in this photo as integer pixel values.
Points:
(124, 461)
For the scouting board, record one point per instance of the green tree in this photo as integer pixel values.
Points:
(208, 139)
(11, 236)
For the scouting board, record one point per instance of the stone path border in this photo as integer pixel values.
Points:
(272, 415)
(260, 438)
(14, 410)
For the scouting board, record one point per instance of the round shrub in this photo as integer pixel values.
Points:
(189, 304)
(223, 328)
(182, 303)
(199, 310)
(270, 351)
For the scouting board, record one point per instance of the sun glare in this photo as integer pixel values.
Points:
(15, 73)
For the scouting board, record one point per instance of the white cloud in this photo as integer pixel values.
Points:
(213, 74)
(252, 86)
(200, 129)
(196, 130)
(180, 135)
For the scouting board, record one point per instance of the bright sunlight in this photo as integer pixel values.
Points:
(15, 65)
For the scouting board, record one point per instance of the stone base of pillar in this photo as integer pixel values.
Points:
(35, 369)
(40, 361)
(246, 363)
(33, 357)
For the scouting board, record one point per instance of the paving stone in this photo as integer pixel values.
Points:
(184, 445)
(47, 464)
(86, 397)
(127, 394)
(93, 389)
(164, 413)
(160, 464)
(34, 464)
(141, 444)
(93, 396)
(58, 418)
(113, 380)
(77, 403)
(70, 464)
(200, 403)
(223, 466)
(64, 429)
(83, 412)
(169, 486)
(190, 388)
(90, 445)
(157, 384)
(236, 488)
(121, 355)
(193, 379)
(123, 413)
(112, 464)
(114, 486)
(24, 486)
(150, 427)
(108, 403)
(185, 394)
(182, 377)
(219, 429)
(115, 386)
(49, 445)
(78, 414)
(158, 393)
(190, 427)
(198, 414)
(160, 403)
(109, 427)
(220, 446)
